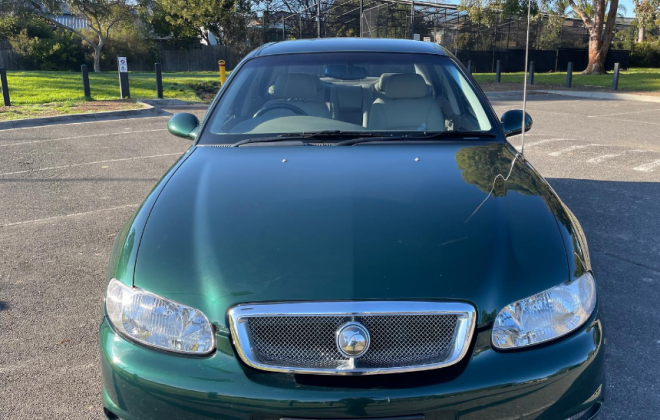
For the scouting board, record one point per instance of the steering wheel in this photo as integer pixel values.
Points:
(296, 110)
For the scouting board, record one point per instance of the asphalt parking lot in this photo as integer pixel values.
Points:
(66, 190)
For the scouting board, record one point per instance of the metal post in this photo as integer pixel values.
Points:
(283, 29)
(458, 21)
(85, 80)
(361, 17)
(569, 74)
(300, 16)
(223, 71)
(498, 71)
(531, 73)
(470, 66)
(159, 80)
(5, 87)
(124, 89)
(615, 79)
(318, 19)
(263, 23)
(412, 20)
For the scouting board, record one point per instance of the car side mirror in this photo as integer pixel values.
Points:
(183, 125)
(512, 122)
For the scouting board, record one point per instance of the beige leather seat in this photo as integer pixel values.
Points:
(404, 103)
(300, 90)
(348, 103)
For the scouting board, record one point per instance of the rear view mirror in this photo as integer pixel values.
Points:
(512, 122)
(183, 125)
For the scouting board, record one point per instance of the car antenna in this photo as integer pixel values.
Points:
(524, 113)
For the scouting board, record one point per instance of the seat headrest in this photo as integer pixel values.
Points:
(295, 86)
(402, 85)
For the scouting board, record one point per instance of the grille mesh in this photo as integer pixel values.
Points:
(396, 340)
(297, 341)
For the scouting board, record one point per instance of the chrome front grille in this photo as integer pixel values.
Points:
(408, 340)
(314, 344)
(302, 337)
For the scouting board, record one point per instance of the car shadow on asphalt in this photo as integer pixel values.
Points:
(622, 225)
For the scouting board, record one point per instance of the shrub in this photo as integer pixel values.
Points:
(128, 41)
(60, 50)
(645, 54)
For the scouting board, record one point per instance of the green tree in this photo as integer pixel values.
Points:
(646, 12)
(154, 16)
(226, 19)
(599, 17)
(102, 17)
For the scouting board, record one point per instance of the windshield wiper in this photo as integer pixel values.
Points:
(314, 135)
(421, 136)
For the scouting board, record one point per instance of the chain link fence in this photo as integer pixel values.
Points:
(554, 40)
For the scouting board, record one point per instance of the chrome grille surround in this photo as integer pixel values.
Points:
(300, 337)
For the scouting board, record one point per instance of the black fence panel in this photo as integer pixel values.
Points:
(617, 56)
(544, 60)
(482, 61)
(579, 58)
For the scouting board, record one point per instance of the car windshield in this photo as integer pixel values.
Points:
(385, 94)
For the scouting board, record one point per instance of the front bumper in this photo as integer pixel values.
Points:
(553, 381)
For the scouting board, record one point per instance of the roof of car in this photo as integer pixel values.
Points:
(349, 44)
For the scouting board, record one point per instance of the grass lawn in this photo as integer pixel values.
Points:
(41, 93)
(641, 80)
(51, 109)
(39, 87)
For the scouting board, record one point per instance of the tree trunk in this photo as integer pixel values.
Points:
(596, 63)
(97, 53)
(97, 59)
(641, 33)
(601, 30)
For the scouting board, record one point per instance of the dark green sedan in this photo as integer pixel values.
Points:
(350, 235)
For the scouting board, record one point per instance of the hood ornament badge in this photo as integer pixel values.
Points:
(353, 339)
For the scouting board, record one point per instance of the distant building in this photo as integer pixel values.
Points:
(68, 19)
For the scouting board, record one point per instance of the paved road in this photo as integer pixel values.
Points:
(66, 190)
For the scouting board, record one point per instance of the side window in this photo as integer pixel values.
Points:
(473, 106)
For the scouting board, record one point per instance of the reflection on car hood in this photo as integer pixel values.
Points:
(391, 222)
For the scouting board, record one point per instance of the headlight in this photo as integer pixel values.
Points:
(545, 316)
(158, 322)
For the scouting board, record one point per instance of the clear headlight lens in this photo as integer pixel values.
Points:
(545, 316)
(158, 322)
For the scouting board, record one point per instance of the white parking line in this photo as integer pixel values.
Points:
(47, 219)
(603, 158)
(633, 121)
(73, 165)
(81, 137)
(648, 167)
(553, 140)
(623, 113)
(571, 148)
(537, 143)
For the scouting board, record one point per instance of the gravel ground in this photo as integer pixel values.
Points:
(66, 190)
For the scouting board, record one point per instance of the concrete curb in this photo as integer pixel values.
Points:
(504, 93)
(165, 102)
(86, 117)
(604, 95)
(581, 94)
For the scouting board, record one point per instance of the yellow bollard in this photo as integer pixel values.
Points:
(223, 71)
